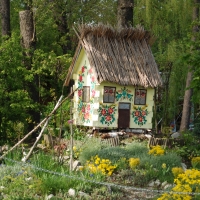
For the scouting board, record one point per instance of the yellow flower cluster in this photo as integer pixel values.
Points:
(76, 151)
(195, 162)
(187, 182)
(97, 165)
(164, 166)
(176, 171)
(156, 150)
(134, 162)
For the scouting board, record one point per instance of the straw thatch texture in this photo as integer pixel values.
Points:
(119, 56)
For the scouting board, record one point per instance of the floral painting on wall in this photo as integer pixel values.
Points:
(107, 113)
(124, 93)
(85, 109)
(139, 114)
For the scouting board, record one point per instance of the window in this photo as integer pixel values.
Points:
(86, 94)
(109, 94)
(140, 97)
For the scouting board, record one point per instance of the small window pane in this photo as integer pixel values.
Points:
(140, 97)
(86, 94)
(109, 94)
(124, 106)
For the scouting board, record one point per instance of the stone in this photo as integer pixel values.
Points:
(183, 165)
(167, 186)
(66, 157)
(176, 135)
(50, 196)
(157, 183)
(164, 184)
(76, 163)
(28, 179)
(71, 192)
(151, 184)
(83, 194)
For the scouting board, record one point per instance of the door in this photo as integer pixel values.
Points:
(124, 115)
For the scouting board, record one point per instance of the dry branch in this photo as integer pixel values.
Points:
(42, 122)
(40, 135)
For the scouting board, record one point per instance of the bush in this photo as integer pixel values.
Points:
(137, 149)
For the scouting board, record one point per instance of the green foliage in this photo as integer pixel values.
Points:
(14, 98)
(190, 148)
(17, 182)
(137, 149)
(170, 23)
(90, 149)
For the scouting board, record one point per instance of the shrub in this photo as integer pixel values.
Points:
(171, 159)
(195, 162)
(136, 149)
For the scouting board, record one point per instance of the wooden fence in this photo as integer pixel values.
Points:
(165, 142)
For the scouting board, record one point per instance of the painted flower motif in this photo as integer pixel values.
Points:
(80, 78)
(137, 113)
(107, 114)
(143, 113)
(93, 93)
(83, 109)
(90, 71)
(108, 118)
(110, 110)
(88, 107)
(83, 69)
(103, 112)
(86, 115)
(93, 79)
(79, 93)
(140, 119)
(140, 114)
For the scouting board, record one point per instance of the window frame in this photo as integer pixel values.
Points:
(139, 98)
(114, 91)
(86, 94)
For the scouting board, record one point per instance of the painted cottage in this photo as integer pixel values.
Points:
(115, 76)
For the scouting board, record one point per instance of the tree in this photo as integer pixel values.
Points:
(5, 17)
(125, 13)
(187, 104)
(28, 41)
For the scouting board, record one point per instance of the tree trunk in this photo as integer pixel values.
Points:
(5, 17)
(28, 42)
(125, 13)
(185, 120)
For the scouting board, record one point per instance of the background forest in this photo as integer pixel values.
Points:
(31, 79)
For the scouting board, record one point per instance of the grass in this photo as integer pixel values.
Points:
(26, 182)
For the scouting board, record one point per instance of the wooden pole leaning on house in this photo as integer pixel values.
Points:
(42, 122)
(71, 139)
(24, 159)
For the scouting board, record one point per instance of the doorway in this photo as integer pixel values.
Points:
(124, 115)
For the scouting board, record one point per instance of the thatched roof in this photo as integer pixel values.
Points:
(119, 56)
